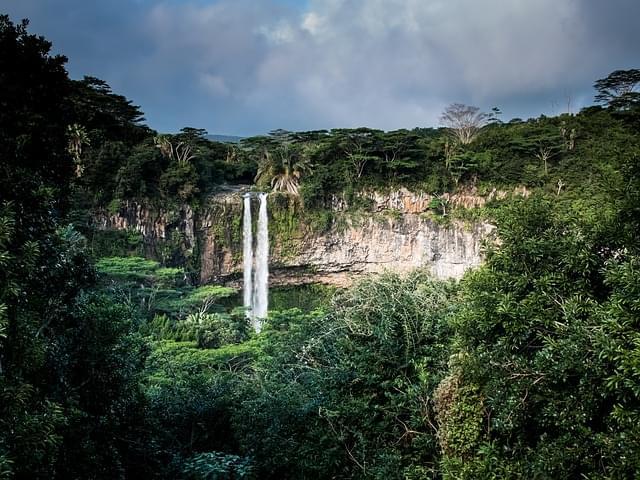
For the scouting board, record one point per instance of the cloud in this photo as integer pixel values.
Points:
(215, 84)
(241, 66)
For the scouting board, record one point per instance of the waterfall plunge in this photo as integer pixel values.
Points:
(256, 283)
(247, 256)
(262, 262)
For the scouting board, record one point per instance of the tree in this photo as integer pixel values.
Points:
(548, 347)
(400, 151)
(456, 161)
(358, 146)
(139, 175)
(439, 203)
(349, 394)
(101, 362)
(56, 369)
(78, 138)
(464, 122)
(172, 150)
(283, 167)
(543, 154)
(618, 89)
(104, 113)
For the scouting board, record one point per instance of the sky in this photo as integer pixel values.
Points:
(246, 67)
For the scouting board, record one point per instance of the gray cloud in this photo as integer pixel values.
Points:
(241, 66)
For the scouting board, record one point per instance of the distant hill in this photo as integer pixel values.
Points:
(224, 138)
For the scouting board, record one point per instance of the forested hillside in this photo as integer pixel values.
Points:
(117, 366)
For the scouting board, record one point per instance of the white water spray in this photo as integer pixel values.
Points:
(247, 256)
(256, 280)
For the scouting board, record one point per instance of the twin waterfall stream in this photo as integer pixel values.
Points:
(256, 267)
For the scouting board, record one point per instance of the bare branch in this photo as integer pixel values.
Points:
(464, 122)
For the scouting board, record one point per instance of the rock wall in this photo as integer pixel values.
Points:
(158, 226)
(154, 225)
(399, 244)
(397, 234)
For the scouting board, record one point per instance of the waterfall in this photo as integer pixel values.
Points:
(262, 264)
(256, 280)
(247, 256)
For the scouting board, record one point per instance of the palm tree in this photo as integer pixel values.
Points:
(77, 138)
(179, 152)
(284, 167)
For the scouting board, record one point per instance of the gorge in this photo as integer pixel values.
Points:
(128, 349)
(397, 232)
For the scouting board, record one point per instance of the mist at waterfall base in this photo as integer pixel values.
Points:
(256, 262)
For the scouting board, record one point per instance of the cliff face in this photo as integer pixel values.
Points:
(399, 244)
(395, 234)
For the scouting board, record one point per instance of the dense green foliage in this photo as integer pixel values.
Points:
(316, 165)
(121, 367)
(535, 345)
(69, 359)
